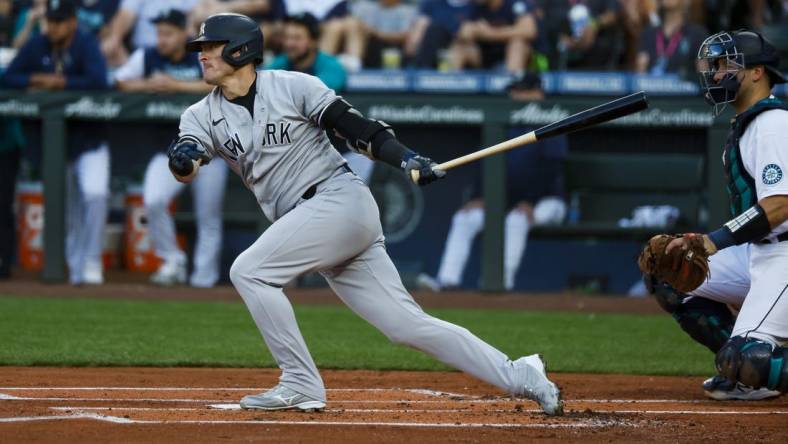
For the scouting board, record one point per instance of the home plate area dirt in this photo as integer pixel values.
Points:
(201, 405)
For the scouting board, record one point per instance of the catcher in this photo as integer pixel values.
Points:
(744, 263)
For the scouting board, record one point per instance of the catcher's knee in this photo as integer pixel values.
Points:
(755, 363)
(707, 322)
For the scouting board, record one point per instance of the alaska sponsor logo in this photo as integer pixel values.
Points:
(165, 109)
(14, 107)
(535, 113)
(427, 113)
(87, 107)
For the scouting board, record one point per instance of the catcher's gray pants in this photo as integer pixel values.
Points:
(338, 232)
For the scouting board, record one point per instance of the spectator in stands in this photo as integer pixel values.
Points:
(6, 23)
(93, 16)
(435, 29)
(377, 27)
(301, 53)
(68, 58)
(331, 14)
(134, 17)
(636, 16)
(535, 194)
(738, 14)
(169, 68)
(671, 47)
(269, 13)
(498, 31)
(29, 22)
(583, 34)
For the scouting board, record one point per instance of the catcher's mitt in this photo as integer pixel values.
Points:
(684, 270)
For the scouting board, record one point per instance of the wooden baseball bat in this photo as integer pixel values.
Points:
(599, 114)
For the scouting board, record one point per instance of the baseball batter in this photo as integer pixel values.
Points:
(270, 127)
(750, 267)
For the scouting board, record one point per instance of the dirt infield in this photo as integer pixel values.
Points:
(200, 405)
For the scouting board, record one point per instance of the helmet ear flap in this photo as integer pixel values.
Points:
(242, 57)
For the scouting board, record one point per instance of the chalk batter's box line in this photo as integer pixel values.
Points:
(456, 397)
(118, 420)
(237, 407)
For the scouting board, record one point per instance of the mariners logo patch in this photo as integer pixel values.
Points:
(771, 174)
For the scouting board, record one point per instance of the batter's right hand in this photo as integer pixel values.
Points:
(181, 164)
(181, 155)
(421, 170)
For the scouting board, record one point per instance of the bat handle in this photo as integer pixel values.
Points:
(414, 176)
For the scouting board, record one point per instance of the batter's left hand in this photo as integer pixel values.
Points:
(421, 170)
(682, 242)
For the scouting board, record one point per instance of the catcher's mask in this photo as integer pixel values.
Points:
(727, 54)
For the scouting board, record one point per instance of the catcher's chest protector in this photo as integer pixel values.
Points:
(741, 186)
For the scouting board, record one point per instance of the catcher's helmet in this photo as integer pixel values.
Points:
(740, 50)
(240, 32)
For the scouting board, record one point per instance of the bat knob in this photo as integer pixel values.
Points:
(414, 176)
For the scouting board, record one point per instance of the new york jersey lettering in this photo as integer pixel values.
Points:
(277, 134)
(233, 145)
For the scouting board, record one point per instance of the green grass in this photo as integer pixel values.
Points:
(91, 332)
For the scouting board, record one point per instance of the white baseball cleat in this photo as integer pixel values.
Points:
(172, 272)
(537, 387)
(723, 389)
(281, 398)
(93, 273)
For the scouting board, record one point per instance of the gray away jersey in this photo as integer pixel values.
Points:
(283, 151)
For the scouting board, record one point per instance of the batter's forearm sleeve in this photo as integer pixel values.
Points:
(372, 138)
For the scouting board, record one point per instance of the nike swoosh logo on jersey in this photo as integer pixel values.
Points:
(216, 122)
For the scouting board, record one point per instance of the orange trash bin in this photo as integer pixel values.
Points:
(30, 225)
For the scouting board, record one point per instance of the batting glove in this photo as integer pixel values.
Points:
(182, 154)
(421, 170)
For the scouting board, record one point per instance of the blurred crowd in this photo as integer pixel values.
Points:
(339, 36)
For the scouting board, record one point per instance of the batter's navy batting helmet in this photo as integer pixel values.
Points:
(740, 50)
(241, 34)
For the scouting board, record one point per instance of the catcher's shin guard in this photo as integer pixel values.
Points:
(707, 322)
(755, 363)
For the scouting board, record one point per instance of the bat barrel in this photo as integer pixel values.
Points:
(599, 114)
